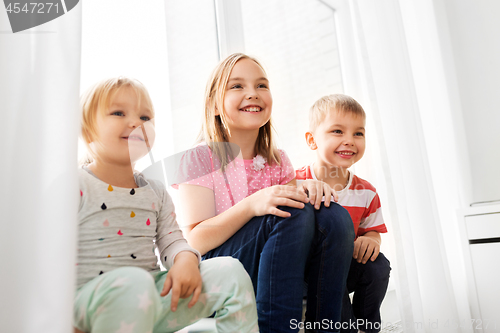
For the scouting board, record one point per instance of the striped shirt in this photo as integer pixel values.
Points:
(360, 199)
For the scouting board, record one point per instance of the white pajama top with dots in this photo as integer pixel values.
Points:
(123, 226)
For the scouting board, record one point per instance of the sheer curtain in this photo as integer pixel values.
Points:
(39, 93)
(396, 62)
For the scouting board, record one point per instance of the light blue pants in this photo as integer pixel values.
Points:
(128, 300)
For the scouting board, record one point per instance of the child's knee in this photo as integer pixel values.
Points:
(336, 221)
(132, 278)
(223, 265)
(378, 270)
(301, 224)
(229, 269)
(238, 271)
(382, 267)
(119, 293)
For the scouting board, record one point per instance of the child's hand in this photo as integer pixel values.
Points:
(316, 189)
(365, 248)
(267, 200)
(184, 279)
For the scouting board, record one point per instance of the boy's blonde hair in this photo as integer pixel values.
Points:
(97, 99)
(215, 129)
(336, 102)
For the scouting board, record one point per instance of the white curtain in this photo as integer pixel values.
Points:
(399, 72)
(39, 93)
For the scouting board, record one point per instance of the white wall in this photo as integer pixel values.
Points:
(474, 31)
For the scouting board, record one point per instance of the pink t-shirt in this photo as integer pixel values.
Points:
(240, 179)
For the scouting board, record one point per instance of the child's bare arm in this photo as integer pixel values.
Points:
(184, 279)
(205, 230)
(367, 247)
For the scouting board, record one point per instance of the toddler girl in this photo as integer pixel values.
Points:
(123, 217)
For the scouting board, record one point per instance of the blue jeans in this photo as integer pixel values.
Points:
(369, 283)
(279, 254)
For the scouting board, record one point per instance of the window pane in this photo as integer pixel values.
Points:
(169, 46)
(297, 44)
(192, 54)
(128, 38)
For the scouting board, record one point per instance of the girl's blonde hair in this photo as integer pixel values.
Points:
(215, 130)
(97, 99)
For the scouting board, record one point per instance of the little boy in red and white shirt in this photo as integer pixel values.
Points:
(337, 134)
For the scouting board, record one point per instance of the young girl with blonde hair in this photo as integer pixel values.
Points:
(123, 217)
(238, 197)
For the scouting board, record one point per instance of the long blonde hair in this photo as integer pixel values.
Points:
(96, 100)
(215, 130)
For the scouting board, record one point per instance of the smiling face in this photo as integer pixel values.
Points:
(247, 100)
(125, 129)
(339, 139)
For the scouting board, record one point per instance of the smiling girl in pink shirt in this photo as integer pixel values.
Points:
(238, 197)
